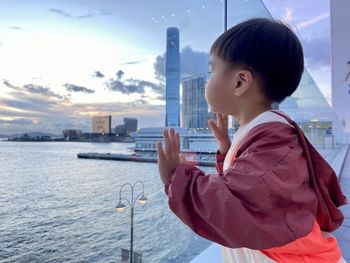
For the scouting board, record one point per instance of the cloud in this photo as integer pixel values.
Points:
(130, 86)
(117, 85)
(60, 12)
(161, 97)
(288, 15)
(32, 96)
(85, 16)
(51, 112)
(29, 102)
(159, 67)
(134, 62)
(16, 28)
(158, 88)
(9, 85)
(98, 74)
(75, 88)
(139, 102)
(53, 117)
(18, 122)
(192, 63)
(120, 74)
(33, 89)
(312, 21)
(45, 111)
(40, 90)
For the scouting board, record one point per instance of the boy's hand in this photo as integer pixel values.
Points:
(220, 131)
(168, 158)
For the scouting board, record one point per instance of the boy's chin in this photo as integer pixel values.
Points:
(211, 109)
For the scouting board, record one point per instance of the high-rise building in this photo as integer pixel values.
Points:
(120, 130)
(72, 135)
(130, 124)
(194, 106)
(101, 124)
(172, 73)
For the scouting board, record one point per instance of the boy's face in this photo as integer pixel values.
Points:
(219, 89)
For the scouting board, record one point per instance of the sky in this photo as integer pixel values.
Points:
(64, 61)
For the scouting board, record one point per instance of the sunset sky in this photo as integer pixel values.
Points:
(64, 61)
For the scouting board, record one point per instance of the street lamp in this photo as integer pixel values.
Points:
(121, 207)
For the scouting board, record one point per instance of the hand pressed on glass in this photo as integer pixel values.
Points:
(220, 131)
(169, 157)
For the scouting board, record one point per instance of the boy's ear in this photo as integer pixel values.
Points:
(244, 80)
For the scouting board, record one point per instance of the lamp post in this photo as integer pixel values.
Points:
(121, 207)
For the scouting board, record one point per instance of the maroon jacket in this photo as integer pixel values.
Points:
(277, 186)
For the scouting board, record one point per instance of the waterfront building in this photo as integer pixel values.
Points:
(130, 124)
(101, 124)
(172, 74)
(194, 106)
(120, 130)
(72, 135)
(191, 140)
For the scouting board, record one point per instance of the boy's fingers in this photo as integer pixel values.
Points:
(212, 126)
(172, 136)
(211, 122)
(222, 120)
(219, 120)
(167, 143)
(160, 151)
(225, 118)
(173, 143)
(177, 142)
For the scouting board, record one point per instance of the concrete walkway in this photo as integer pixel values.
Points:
(343, 233)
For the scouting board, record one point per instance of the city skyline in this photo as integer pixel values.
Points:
(92, 58)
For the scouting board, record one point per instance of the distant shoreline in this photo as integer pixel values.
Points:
(6, 140)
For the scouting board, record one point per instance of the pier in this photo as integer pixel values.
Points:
(195, 158)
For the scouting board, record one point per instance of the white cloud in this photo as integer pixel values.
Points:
(312, 21)
(287, 16)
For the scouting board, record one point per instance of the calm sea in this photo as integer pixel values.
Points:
(55, 207)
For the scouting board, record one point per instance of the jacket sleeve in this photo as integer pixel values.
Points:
(220, 158)
(235, 209)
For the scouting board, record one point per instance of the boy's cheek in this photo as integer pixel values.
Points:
(209, 94)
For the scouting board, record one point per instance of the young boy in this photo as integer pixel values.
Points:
(274, 195)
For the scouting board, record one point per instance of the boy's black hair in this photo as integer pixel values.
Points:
(269, 49)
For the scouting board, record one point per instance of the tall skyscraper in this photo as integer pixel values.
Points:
(194, 106)
(172, 72)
